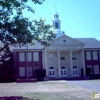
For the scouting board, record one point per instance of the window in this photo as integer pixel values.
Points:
(63, 71)
(56, 24)
(56, 16)
(51, 72)
(51, 56)
(99, 55)
(29, 56)
(22, 57)
(64, 40)
(74, 56)
(62, 58)
(21, 71)
(35, 56)
(96, 69)
(88, 55)
(95, 55)
(29, 71)
(90, 66)
(75, 71)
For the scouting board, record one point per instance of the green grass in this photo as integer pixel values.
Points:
(95, 80)
(53, 96)
(54, 90)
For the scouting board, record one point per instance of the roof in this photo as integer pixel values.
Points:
(90, 43)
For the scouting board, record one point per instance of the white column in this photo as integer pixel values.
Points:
(59, 69)
(46, 63)
(83, 62)
(71, 64)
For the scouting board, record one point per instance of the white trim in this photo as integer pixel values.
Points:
(64, 71)
(36, 56)
(75, 70)
(21, 71)
(30, 69)
(24, 50)
(65, 36)
(52, 71)
(21, 56)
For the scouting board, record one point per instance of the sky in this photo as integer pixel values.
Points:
(79, 18)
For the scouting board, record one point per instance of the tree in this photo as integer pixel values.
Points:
(17, 29)
(6, 66)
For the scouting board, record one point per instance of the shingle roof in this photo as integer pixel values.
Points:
(90, 42)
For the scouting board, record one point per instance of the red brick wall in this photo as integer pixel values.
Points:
(33, 64)
(92, 62)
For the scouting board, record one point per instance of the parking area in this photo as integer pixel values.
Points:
(92, 85)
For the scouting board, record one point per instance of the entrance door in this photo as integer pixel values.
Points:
(51, 72)
(63, 72)
(75, 71)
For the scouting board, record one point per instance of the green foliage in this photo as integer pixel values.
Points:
(6, 66)
(17, 29)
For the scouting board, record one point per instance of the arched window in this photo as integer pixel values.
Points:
(51, 72)
(56, 24)
(63, 71)
(75, 71)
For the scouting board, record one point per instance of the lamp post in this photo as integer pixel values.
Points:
(27, 60)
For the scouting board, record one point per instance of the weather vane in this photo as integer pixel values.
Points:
(55, 8)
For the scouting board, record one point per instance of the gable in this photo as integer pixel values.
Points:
(66, 41)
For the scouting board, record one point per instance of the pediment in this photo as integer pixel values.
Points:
(66, 41)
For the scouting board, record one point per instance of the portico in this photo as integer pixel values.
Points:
(64, 61)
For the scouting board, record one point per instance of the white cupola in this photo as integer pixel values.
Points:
(56, 23)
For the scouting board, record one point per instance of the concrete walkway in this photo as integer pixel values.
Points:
(86, 84)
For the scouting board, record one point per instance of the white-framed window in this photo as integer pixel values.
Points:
(95, 55)
(62, 58)
(29, 71)
(51, 56)
(90, 66)
(99, 55)
(51, 72)
(63, 71)
(21, 71)
(75, 71)
(35, 56)
(74, 56)
(21, 56)
(29, 56)
(96, 69)
(88, 55)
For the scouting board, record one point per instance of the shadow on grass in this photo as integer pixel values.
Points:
(16, 98)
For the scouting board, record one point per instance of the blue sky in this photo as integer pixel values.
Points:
(79, 18)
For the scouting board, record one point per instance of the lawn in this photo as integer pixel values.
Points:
(95, 80)
(49, 90)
